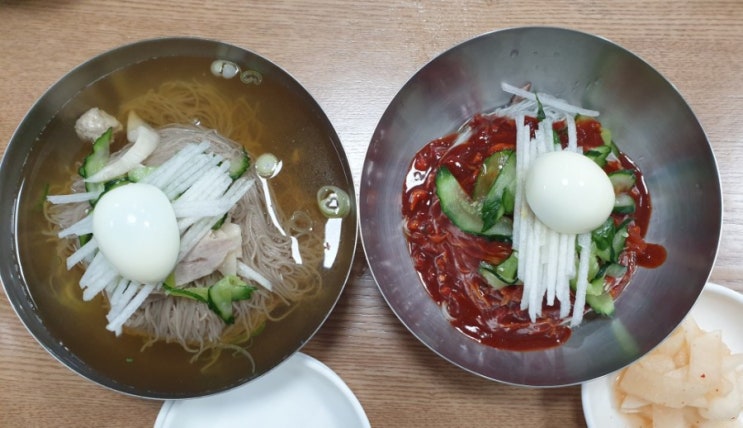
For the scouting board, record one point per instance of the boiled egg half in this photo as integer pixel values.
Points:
(137, 232)
(569, 192)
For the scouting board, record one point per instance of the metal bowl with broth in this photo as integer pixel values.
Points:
(650, 122)
(43, 151)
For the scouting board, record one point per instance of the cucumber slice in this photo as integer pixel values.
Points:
(241, 292)
(622, 180)
(493, 206)
(502, 230)
(509, 200)
(456, 204)
(218, 297)
(502, 275)
(595, 287)
(96, 160)
(615, 270)
(599, 155)
(225, 291)
(593, 264)
(491, 168)
(486, 271)
(620, 238)
(507, 270)
(196, 293)
(624, 204)
(464, 212)
(240, 165)
(220, 301)
(602, 304)
(137, 174)
(606, 137)
(602, 236)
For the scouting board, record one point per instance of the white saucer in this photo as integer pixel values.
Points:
(718, 308)
(301, 392)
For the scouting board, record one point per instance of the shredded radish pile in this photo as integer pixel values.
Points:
(546, 257)
(198, 184)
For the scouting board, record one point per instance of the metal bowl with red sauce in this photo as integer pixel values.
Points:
(674, 238)
(448, 259)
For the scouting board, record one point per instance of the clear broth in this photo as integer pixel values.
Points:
(301, 137)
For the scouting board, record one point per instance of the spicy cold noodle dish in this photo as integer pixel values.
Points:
(525, 220)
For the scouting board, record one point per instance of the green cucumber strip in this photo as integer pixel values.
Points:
(624, 204)
(595, 287)
(509, 200)
(218, 297)
(225, 291)
(606, 137)
(502, 230)
(615, 270)
(593, 263)
(137, 174)
(503, 274)
(622, 180)
(491, 168)
(602, 236)
(620, 238)
(240, 165)
(196, 293)
(602, 304)
(599, 155)
(96, 160)
(492, 206)
(220, 301)
(486, 271)
(507, 270)
(456, 204)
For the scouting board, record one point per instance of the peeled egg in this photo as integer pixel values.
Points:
(568, 192)
(137, 231)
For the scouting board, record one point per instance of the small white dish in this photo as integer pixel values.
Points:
(718, 308)
(301, 392)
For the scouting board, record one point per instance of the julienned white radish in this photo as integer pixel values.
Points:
(547, 258)
(548, 100)
(167, 173)
(194, 179)
(82, 227)
(74, 198)
(248, 272)
(82, 253)
(116, 322)
(584, 242)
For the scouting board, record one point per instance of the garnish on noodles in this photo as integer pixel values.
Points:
(178, 229)
(526, 219)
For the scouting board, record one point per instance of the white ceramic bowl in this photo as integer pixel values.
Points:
(718, 308)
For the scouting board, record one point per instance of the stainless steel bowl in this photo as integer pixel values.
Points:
(105, 81)
(651, 123)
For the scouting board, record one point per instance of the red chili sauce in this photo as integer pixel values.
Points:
(447, 258)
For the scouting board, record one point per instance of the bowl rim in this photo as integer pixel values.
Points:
(366, 231)
(58, 94)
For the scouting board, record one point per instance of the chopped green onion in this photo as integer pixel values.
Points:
(267, 165)
(333, 202)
